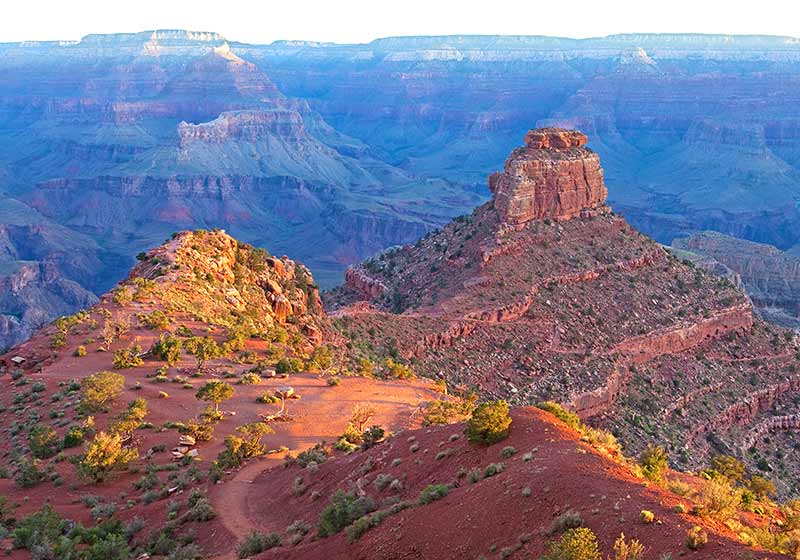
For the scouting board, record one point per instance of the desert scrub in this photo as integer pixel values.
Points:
(334, 381)
(570, 519)
(574, 544)
(647, 516)
(696, 538)
(449, 411)
(628, 550)
(569, 418)
(250, 379)
(432, 492)
(80, 351)
(343, 509)
(315, 455)
(100, 389)
(508, 452)
(367, 522)
(493, 469)
(129, 357)
(489, 423)
(653, 461)
(256, 542)
(297, 531)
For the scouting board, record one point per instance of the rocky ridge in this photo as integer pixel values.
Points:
(555, 297)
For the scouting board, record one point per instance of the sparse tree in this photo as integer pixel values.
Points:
(215, 392)
(130, 419)
(99, 389)
(104, 455)
(490, 423)
(203, 348)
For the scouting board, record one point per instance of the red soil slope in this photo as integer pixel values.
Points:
(493, 515)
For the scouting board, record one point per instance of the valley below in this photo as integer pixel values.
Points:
(332, 153)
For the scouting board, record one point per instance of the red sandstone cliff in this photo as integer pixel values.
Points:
(553, 176)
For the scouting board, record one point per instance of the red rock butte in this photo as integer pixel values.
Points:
(553, 176)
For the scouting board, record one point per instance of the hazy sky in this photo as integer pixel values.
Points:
(360, 21)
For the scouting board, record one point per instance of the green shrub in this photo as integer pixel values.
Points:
(43, 441)
(256, 543)
(719, 499)
(574, 544)
(288, 365)
(250, 379)
(433, 492)
(343, 509)
(40, 528)
(73, 437)
(508, 452)
(167, 348)
(569, 418)
(316, 455)
(653, 461)
(129, 357)
(729, 467)
(489, 423)
(100, 389)
(156, 319)
(28, 474)
(371, 436)
(449, 411)
(201, 510)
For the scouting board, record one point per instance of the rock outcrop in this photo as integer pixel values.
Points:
(553, 176)
(544, 294)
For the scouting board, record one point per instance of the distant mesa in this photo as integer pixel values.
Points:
(553, 176)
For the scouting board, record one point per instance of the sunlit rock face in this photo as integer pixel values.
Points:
(553, 176)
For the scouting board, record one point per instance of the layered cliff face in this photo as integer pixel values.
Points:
(136, 136)
(585, 311)
(399, 134)
(553, 176)
(31, 295)
(770, 276)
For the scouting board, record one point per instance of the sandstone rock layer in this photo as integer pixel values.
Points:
(553, 176)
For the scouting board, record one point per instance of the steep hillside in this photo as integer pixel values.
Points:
(544, 293)
(200, 309)
(500, 501)
(769, 274)
(185, 415)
